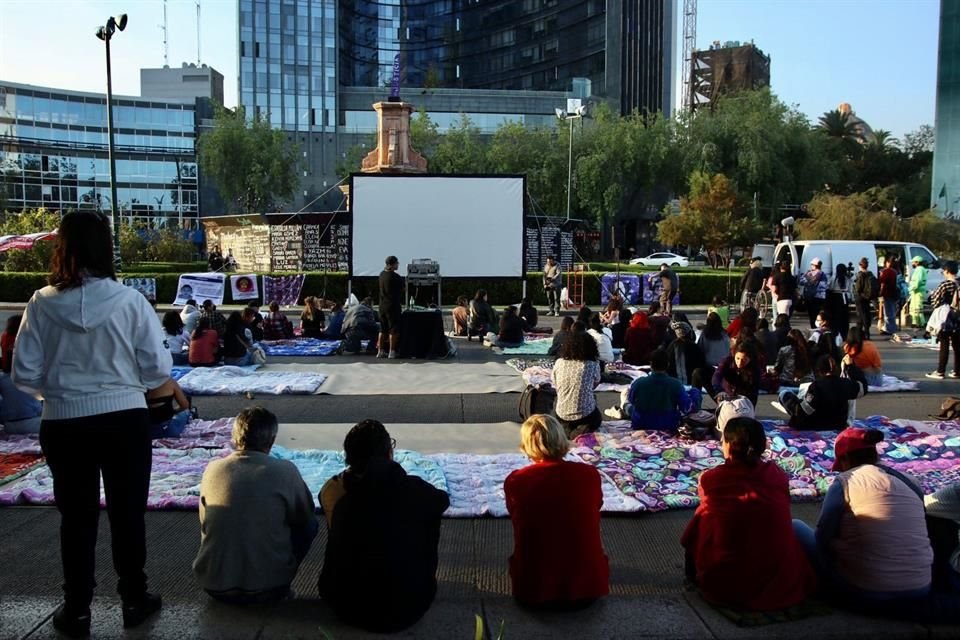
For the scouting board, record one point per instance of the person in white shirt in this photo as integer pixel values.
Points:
(604, 343)
(91, 348)
(190, 315)
(175, 338)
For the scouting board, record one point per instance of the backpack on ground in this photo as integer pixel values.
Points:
(699, 425)
(537, 399)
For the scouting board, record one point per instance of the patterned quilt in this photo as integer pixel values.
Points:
(300, 347)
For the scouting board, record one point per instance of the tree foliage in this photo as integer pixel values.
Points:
(253, 166)
(23, 223)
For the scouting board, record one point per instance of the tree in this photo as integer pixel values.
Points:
(517, 149)
(24, 222)
(712, 217)
(460, 150)
(919, 141)
(253, 166)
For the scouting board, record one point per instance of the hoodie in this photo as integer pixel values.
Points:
(190, 316)
(90, 350)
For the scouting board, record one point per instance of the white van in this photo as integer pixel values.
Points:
(799, 253)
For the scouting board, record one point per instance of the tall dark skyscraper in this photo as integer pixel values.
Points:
(945, 187)
(313, 67)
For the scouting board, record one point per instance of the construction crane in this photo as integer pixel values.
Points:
(689, 44)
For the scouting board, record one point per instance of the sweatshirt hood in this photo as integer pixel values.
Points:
(82, 308)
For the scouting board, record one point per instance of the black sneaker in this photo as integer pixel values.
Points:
(72, 623)
(136, 611)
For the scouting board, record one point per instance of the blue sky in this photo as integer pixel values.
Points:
(878, 55)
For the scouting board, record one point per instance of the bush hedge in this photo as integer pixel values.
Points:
(696, 287)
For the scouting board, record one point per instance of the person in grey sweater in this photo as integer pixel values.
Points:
(256, 517)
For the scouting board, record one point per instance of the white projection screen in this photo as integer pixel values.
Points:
(471, 225)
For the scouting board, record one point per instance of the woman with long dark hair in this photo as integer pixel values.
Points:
(92, 348)
(793, 360)
(576, 373)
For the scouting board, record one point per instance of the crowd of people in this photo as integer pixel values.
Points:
(95, 352)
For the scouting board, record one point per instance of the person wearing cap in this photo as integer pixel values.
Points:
(870, 547)
(825, 405)
(890, 294)
(741, 550)
(751, 283)
(918, 292)
(863, 288)
(732, 408)
(814, 283)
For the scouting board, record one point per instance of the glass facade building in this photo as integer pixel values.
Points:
(945, 185)
(53, 152)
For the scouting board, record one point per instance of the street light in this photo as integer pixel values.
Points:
(105, 33)
(578, 113)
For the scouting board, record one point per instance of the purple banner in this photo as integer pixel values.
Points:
(395, 85)
(284, 289)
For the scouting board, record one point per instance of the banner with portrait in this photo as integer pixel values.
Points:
(244, 287)
(200, 287)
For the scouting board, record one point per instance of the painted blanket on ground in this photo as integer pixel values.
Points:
(10, 443)
(14, 465)
(661, 471)
(476, 484)
(228, 380)
(300, 347)
(317, 466)
(178, 372)
(174, 481)
(201, 434)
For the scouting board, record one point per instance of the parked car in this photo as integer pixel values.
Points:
(657, 259)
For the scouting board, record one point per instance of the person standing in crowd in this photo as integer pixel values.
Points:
(890, 294)
(670, 285)
(391, 303)
(548, 496)
(380, 565)
(838, 301)
(814, 283)
(741, 550)
(256, 517)
(552, 282)
(940, 324)
(786, 285)
(870, 547)
(92, 348)
(751, 283)
(918, 292)
(576, 373)
(864, 288)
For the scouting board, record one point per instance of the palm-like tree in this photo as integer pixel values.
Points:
(884, 140)
(837, 124)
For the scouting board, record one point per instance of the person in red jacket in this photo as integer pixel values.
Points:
(890, 295)
(558, 560)
(740, 547)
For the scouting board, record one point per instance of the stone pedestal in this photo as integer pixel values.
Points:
(393, 153)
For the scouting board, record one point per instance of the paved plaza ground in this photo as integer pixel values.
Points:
(648, 598)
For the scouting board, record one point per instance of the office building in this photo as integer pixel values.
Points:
(945, 185)
(314, 67)
(187, 81)
(724, 69)
(53, 152)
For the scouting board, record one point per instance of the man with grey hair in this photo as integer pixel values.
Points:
(256, 517)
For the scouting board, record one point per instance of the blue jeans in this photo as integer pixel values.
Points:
(890, 308)
(242, 361)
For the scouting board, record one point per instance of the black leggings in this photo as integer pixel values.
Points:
(591, 422)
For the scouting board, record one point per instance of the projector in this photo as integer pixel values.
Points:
(423, 271)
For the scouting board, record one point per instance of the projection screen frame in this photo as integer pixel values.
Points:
(415, 176)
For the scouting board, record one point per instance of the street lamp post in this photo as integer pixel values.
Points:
(570, 117)
(105, 33)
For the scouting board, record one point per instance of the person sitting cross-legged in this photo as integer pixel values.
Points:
(825, 405)
(256, 517)
(549, 496)
(656, 401)
(576, 373)
(380, 566)
(741, 550)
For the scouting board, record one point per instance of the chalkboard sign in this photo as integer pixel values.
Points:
(286, 247)
(249, 244)
(326, 247)
(548, 239)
